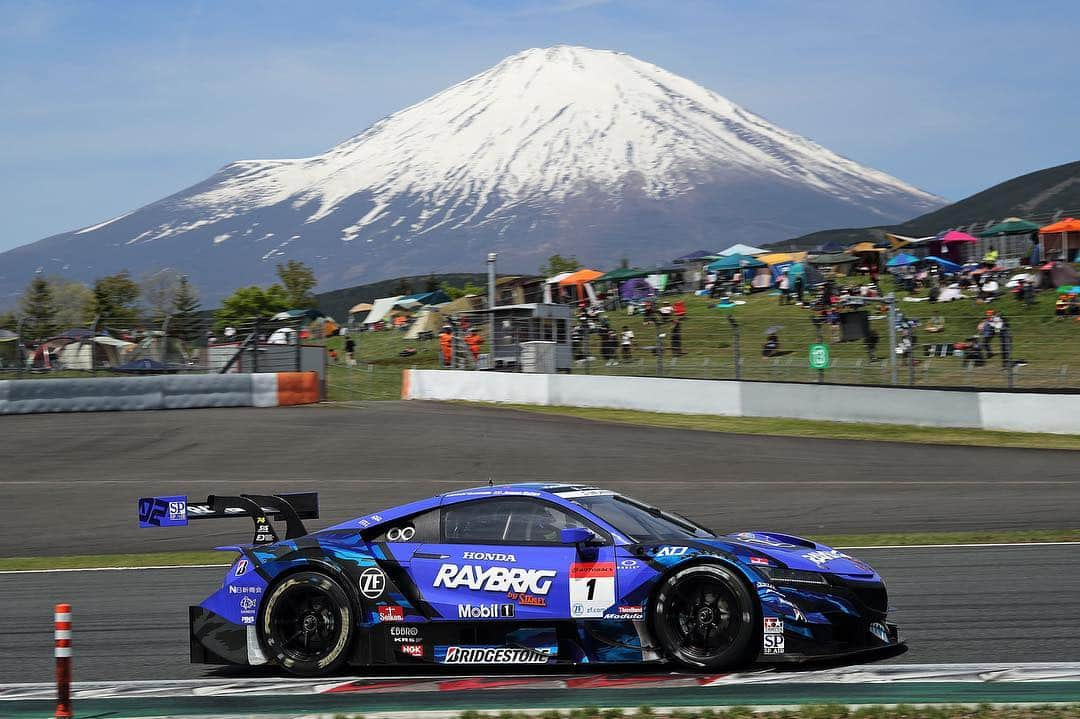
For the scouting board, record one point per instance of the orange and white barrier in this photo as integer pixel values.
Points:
(62, 637)
(266, 389)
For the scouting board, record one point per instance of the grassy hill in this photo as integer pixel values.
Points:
(1036, 196)
(1049, 346)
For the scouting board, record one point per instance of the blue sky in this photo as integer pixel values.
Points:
(105, 106)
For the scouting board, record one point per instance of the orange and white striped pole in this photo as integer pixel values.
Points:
(62, 634)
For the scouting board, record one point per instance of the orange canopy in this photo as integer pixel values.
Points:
(1066, 225)
(579, 278)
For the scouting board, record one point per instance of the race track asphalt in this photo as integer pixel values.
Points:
(1002, 604)
(70, 481)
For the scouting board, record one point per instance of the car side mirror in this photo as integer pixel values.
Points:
(576, 535)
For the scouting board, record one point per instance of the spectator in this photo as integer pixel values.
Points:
(474, 341)
(608, 342)
(626, 339)
(350, 352)
(785, 286)
(676, 337)
(446, 345)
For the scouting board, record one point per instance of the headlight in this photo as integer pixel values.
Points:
(796, 577)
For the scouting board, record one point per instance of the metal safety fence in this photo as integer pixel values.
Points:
(163, 345)
(874, 340)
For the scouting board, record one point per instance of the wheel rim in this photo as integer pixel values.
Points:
(702, 616)
(305, 624)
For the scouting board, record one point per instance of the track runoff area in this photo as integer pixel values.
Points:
(983, 623)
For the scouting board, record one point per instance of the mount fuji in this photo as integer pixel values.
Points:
(565, 149)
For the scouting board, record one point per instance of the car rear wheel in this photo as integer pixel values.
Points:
(307, 623)
(704, 616)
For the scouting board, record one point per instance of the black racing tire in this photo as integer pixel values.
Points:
(704, 616)
(307, 624)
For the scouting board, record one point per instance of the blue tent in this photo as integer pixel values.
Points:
(734, 262)
(944, 264)
(901, 260)
(695, 255)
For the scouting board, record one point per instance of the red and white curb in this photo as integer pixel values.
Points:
(878, 674)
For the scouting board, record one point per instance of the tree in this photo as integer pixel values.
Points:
(71, 300)
(457, 292)
(186, 323)
(114, 300)
(38, 310)
(557, 264)
(158, 293)
(298, 280)
(431, 283)
(249, 303)
(8, 321)
(403, 286)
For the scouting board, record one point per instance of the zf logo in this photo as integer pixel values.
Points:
(372, 582)
(151, 511)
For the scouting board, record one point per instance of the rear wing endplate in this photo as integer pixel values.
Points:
(176, 511)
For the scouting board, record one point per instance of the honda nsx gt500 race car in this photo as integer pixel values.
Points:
(523, 574)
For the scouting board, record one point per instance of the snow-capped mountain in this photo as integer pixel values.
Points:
(565, 149)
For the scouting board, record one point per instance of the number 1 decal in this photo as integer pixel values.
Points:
(592, 589)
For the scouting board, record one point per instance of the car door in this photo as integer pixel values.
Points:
(501, 559)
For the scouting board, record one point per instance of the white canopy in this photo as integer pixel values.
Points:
(380, 308)
(741, 249)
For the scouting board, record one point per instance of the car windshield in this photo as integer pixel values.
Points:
(639, 521)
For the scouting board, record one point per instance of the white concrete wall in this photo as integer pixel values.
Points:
(1020, 412)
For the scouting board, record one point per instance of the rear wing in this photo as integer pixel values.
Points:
(291, 508)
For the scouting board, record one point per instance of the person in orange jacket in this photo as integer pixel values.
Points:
(475, 341)
(446, 344)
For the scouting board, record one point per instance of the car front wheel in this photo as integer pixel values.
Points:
(704, 616)
(307, 624)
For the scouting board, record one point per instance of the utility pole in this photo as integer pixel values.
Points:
(491, 308)
(890, 300)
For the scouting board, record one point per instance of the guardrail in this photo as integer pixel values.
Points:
(269, 389)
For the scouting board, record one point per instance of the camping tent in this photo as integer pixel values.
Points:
(431, 317)
(1062, 238)
(741, 249)
(381, 308)
(9, 348)
(945, 265)
(623, 273)
(577, 286)
(101, 352)
(692, 256)
(734, 262)
(634, 289)
(1010, 226)
(902, 260)
(838, 263)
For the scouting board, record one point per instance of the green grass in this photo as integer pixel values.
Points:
(83, 561)
(813, 428)
(1050, 346)
(178, 559)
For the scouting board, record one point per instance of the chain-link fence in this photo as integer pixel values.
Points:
(130, 345)
(867, 340)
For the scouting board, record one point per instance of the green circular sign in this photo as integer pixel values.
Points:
(819, 356)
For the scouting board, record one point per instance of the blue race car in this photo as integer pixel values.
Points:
(522, 574)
